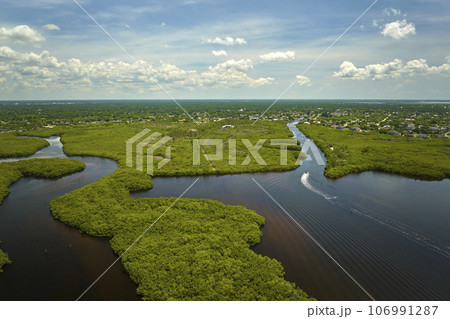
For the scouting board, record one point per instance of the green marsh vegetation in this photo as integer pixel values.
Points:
(11, 172)
(15, 146)
(4, 259)
(108, 140)
(355, 152)
(199, 249)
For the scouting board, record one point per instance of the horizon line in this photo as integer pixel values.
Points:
(225, 99)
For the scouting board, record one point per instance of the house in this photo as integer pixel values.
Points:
(227, 126)
(392, 132)
(193, 130)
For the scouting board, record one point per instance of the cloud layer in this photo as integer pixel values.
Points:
(390, 70)
(32, 70)
(226, 41)
(21, 33)
(278, 56)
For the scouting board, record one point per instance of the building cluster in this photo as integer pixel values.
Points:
(415, 124)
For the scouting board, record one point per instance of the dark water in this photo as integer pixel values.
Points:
(73, 261)
(388, 232)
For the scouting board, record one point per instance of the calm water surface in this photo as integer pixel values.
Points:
(73, 260)
(389, 232)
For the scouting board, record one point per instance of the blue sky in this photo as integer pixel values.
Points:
(51, 49)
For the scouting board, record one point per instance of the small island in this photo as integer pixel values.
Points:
(199, 250)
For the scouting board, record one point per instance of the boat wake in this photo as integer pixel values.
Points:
(402, 229)
(306, 183)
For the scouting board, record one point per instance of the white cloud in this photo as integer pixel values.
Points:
(373, 71)
(398, 29)
(374, 23)
(127, 25)
(390, 70)
(163, 24)
(240, 65)
(53, 27)
(278, 56)
(303, 80)
(21, 33)
(392, 11)
(219, 52)
(231, 74)
(42, 70)
(421, 67)
(226, 41)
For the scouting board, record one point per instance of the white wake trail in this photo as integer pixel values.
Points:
(306, 183)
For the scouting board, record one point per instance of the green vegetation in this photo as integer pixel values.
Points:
(15, 146)
(108, 140)
(427, 117)
(4, 259)
(352, 152)
(198, 250)
(24, 116)
(11, 172)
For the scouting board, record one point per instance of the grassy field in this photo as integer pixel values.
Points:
(15, 146)
(198, 250)
(11, 172)
(109, 141)
(355, 152)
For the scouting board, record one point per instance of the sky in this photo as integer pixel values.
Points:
(195, 49)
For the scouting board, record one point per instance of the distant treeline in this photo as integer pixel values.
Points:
(33, 114)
